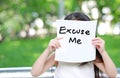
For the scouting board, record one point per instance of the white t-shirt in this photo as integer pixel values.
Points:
(74, 70)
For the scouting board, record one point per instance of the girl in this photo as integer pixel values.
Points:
(75, 70)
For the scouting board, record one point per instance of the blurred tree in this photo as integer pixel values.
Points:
(15, 14)
(113, 5)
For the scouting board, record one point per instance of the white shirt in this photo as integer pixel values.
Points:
(74, 70)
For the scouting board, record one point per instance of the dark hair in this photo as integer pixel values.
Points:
(77, 16)
(81, 16)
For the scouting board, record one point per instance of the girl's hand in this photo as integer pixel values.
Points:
(99, 44)
(54, 44)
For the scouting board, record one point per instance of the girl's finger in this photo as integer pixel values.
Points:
(59, 38)
(98, 41)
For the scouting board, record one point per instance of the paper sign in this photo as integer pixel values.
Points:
(76, 45)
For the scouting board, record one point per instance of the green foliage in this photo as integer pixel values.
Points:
(15, 14)
(24, 52)
(114, 6)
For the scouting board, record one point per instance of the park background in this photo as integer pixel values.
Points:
(26, 26)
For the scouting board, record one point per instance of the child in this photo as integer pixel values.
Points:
(75, 70)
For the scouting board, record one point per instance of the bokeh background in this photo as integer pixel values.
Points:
(26, 26)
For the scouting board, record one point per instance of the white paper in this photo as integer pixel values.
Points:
(72, 49)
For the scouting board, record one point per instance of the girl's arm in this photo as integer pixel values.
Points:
(42, 63)
(45, 61)
(107, 66)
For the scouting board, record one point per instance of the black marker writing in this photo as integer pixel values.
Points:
(64, 30)
(78, 41)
